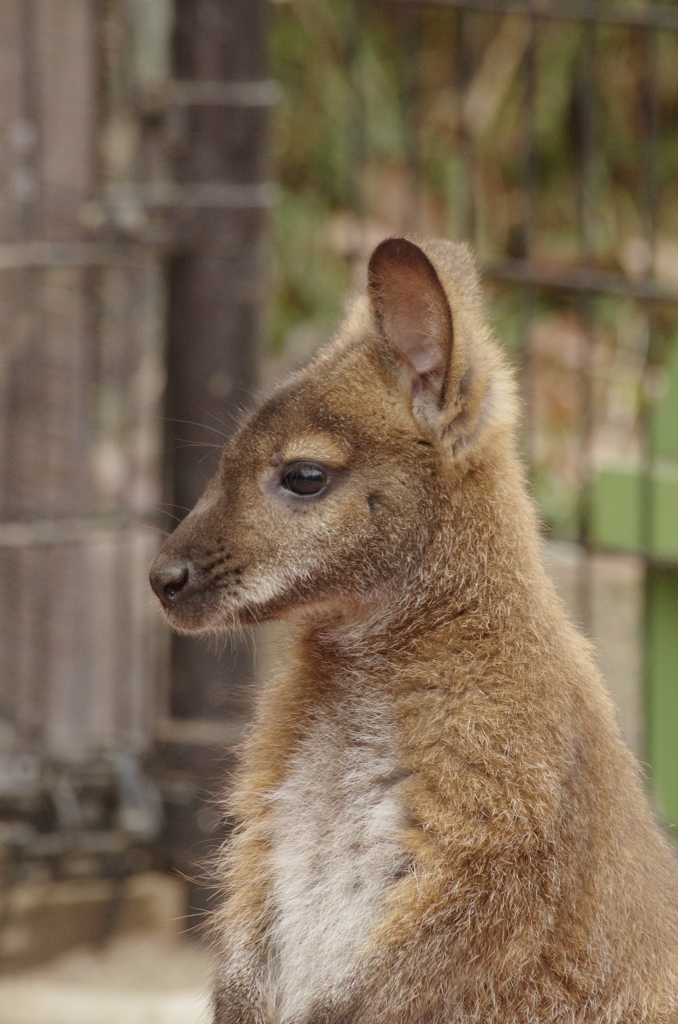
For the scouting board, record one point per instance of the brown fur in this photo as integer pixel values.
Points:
(530, 882)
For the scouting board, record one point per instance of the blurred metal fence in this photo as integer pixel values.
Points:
(133, 204)
(82, 299)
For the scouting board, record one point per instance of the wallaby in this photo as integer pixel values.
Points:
(437, 819)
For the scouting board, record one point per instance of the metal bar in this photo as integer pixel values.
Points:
(412, 28)
(190, 93)
(648, 204)
(203, 195)
(67, 530)
(661, 586)
(578, 279)
(199, 731)
(524, 241)
(63, 843)
(584, 136)
(655, 16)
(212, 194)
(31, 191)
(584, 146)
(650, 111)
(463, 73)
(649, 200)
(359, 139)
(40, 253)
(532, 161)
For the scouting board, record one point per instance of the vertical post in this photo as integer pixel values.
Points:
(521, 245)
(532, 154)
(584, 142)
(359, 139)
(463, 73)
(411, 35)
(214, 310)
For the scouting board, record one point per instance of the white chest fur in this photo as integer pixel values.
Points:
(335, 851)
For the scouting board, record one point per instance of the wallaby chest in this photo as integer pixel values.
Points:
(335, 849)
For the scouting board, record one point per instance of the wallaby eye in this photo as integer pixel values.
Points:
(305, 478)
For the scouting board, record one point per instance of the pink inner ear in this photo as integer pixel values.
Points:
(418, 347)
(413, 311)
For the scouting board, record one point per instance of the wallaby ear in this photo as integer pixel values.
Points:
(412, 312)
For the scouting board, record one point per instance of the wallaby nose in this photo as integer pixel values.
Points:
(168, 582)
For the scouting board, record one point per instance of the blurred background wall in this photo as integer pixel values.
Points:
(153, 277)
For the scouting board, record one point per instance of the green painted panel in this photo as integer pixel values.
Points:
(664, 425)
(616, 510)
(664, 543)
(662, 689)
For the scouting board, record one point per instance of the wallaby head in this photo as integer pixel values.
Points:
(334, 487)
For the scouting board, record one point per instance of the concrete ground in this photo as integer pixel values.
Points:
(149, 973)
(137, 979)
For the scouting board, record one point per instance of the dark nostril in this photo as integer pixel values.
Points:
(175, 583)
(168, 583)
